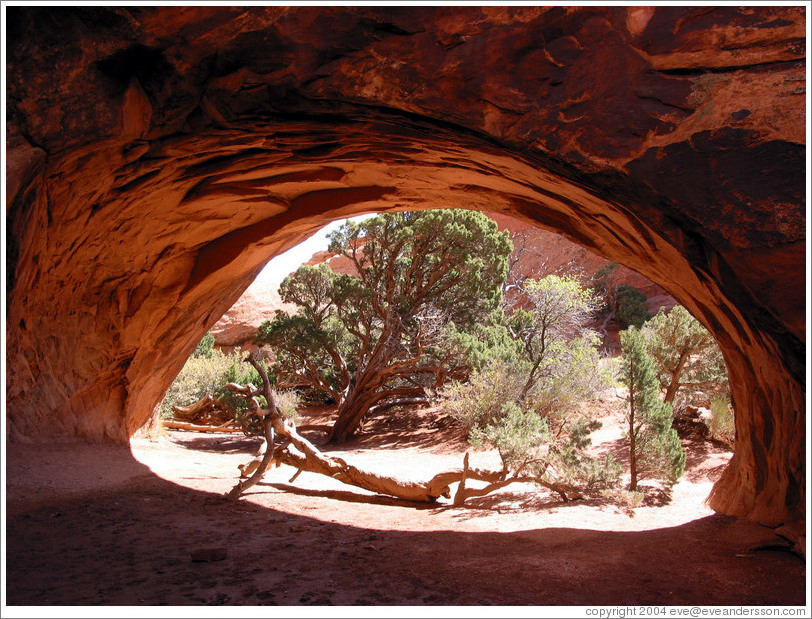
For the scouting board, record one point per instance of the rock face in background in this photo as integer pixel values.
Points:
(157, 157)
(238, 326)
(539, 253)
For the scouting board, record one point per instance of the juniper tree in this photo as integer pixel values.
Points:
(686, 356)
(389, 332)
(654, 447)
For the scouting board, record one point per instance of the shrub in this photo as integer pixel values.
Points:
(200, 375)
(478, 402)
(548, 446)
(722, 423)
(205, 346)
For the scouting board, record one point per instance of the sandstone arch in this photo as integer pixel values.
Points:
(157, 157)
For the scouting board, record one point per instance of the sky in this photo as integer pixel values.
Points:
(284, 264)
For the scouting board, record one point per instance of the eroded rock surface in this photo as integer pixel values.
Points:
(158, 156)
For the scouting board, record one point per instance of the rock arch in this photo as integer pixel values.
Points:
(158, 157)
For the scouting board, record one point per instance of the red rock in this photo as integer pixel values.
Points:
(238, 326)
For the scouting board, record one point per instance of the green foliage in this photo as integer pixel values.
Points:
(631, 304)
(242, 373)
(201, 375)
(689, 363)
(415, 314)
(530, 408)
(549, 447)
(518, 434)
(654, 447)
(722, 424)
(560, 351)
(485, 343)
(205, 346)
(620, 301)
(479, 401)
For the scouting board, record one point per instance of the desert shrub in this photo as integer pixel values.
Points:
(722, 424)
(478, 402)
(531, 409)
(549, 447)
(517, 434)
(632, 308)
(200, 375)
(205, 346)
(288, 402)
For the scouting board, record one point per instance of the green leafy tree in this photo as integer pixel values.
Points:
(391, 332)
(530, 408)
(687, 358)
(621, 302)
(556, 343)
(654, 447)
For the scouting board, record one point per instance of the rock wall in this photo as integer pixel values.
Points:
(157, 157)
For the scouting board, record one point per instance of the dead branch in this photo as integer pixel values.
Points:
(191, 412)
(185, 425)
(267, 458)
(301, 454)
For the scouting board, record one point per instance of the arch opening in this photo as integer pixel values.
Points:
(239, 197)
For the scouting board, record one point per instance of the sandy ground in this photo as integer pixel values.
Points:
(148, 525)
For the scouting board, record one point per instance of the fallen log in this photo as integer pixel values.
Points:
(301, 454)
(204, 405)
(185, 425)
(298, 452)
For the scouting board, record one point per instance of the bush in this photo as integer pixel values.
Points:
(480, 401)
(547, 445)
(530, 409)
(722, 423)
(205, 346)
(200, 375)
(632, 308)
(209, 372)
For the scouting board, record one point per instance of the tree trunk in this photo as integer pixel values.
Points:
(185, 425)
(348, 420)
(673, 386)
(308, 458)
(632, 441)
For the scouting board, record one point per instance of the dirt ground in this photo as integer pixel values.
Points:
(96, 525)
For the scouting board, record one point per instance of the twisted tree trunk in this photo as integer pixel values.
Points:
(298, 452)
